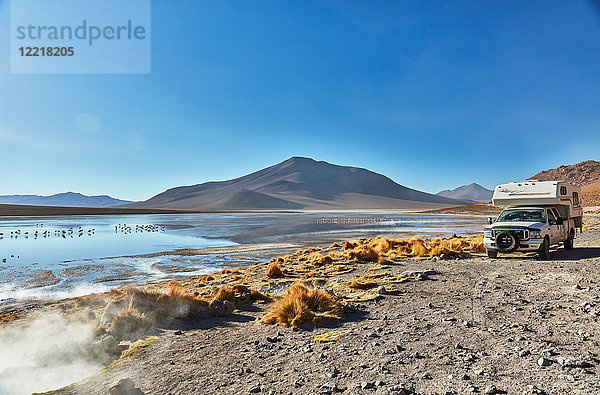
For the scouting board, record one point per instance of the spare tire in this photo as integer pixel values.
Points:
(506, 241)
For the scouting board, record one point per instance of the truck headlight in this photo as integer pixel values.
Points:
(535, 234)
(487, 233)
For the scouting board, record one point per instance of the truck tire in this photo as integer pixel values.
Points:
(570, 240)
(493, 254)
(544, 250)
(506, 241)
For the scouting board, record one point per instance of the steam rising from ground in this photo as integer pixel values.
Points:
(15, 292)
(45, 352)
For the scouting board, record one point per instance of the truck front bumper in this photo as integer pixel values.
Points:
(524, 245)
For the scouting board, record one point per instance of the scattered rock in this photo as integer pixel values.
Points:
(491, 390)
(221, 308)
(122, 386)
(367, 385)
(524, 353)
(544, 361)
(570, 362)
(399, 389)
(255, 390)
(182, 311)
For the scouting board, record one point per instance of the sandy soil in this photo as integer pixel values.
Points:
(511, 325)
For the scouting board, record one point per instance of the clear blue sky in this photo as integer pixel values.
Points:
(431, 94)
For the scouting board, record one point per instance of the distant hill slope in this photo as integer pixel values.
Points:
(587, 174)
(583, 173)
(67, 199)
(256, 200)
(468, 192)
(299, 183)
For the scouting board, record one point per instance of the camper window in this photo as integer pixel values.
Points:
(563, 190)
(575, 199)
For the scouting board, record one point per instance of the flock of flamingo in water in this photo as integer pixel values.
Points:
(73, 232)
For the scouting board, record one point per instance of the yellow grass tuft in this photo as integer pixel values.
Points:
(318, 259)
(128, 322)
(362, 284)
(348, 245)
(329, 336)
(274, 270)
(9, 317)
(235, 294)
(383, 261)
(364, 253)
(300, 305)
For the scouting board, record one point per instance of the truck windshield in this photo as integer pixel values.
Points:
(529, 215)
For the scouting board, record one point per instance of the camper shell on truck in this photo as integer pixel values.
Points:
(538, 214)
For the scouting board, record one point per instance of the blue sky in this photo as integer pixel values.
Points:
(432, 94)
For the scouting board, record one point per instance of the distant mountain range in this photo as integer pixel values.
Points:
(299, 183)
(469, 192)
(67, 199)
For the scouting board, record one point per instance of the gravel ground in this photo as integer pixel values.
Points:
(511, 325)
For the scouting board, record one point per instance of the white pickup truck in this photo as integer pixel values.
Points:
(539, 214)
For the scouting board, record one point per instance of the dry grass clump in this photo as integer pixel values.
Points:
(348, 245)
(383, 261)
(235, 294)
(363, 253)
(380, 248)
(274, 270)
(257, 295)
(300, 306)
(9, 317)
(362, 284)
(158, 305)
(128, 322)
(318, 259)
(229, 271)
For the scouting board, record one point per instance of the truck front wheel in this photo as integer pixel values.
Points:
(569, 241)
(492, 254)
(544, 251)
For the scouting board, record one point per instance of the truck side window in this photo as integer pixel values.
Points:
(556, 213)
(575, 199)
(551, 218)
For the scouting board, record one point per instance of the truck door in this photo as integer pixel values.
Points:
(562, 233)
(555, 231)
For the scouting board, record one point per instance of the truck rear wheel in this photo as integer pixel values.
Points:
(493, 254)
(570, 240)
(544, 250)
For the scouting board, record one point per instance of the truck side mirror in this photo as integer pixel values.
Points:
(490, 220)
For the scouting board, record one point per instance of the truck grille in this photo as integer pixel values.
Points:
(521, 234)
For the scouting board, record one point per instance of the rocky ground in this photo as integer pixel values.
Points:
(511, 325)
